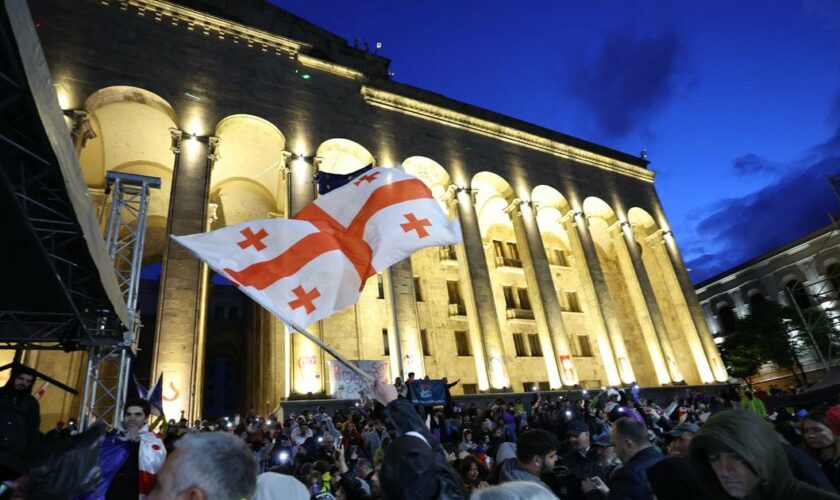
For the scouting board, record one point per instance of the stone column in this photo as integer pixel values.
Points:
(702, 331)
(711, 320)
(543, 296)
(481, 306)
(740, 305)
(573, 224)
(608, 312)
(655, 244)
(305, 359)
(179, 336)
(648, 311)
(405, 320)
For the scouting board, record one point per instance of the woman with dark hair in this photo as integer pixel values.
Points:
(822, 444)
(470, 471)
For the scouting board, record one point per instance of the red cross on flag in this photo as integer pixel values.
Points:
(306, 268)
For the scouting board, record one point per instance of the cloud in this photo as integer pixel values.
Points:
(629, 79)
(752, 164)
(739, 229)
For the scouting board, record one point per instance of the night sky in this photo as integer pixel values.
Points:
(737, 103)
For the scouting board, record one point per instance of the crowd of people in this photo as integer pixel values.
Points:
(608, 444)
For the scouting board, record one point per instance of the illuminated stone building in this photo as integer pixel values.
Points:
(804, 273)
(568, 274)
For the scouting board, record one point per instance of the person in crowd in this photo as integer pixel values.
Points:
(681, 436)
(581, 462)
(514, 490)
(374, 437)
(635, 451)
(60, 431)
(467, 444)
(822, 444)
(402, 389)
(752, 403)
(130, 456)
(325, 450)
(470, 472)
(739, 454)
(206, 466)
(408, 383)
(414, 465)
(20, 418)
(675, 478)
(605, 451)
(447, 407)
(536, 455)
(272, 485)
(301, 433)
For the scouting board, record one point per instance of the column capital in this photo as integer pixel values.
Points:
(455, 189)
(657, 236)
(513, 208)
(176, 135)
(82, 130)
(212, 216)
(212, 149)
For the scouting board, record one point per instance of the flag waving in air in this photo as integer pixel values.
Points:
(306, 268)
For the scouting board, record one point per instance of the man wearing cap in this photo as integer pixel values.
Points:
(605, 451)
(682, 435)
(581, 460)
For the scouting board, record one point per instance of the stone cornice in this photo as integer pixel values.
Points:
(413, 107)
(223, 29)
(211, 25)
(333, 68)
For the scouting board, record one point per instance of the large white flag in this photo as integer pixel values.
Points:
(306, 268)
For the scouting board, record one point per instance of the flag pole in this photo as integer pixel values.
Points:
(341, 359)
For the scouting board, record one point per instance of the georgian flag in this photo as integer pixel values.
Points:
(41, 391)
(306, 268)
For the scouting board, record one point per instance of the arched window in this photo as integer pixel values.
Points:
(832, 272)
(727, 318)
(756, 299)
(800, 295)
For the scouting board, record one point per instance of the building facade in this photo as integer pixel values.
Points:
(568, 274)
(805, 274)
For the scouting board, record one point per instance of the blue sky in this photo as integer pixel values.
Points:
(737, 103)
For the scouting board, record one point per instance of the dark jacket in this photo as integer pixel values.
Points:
(808, 469)
(579, 467)
(405, 419)
(630, 482)
(20, 418)
(754, 440)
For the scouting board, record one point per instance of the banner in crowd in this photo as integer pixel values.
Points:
(345, 384)
(427, 392)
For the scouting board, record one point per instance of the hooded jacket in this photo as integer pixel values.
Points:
(754, 440)
(448, 483)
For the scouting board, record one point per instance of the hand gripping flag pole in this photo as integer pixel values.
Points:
(308, 267)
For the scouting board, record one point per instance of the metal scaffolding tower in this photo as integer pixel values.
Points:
(109, 366)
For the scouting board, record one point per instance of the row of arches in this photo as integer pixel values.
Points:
(788, 288)
(132, 129)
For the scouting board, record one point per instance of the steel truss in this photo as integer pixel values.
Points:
(37, 212)
(109, 366)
